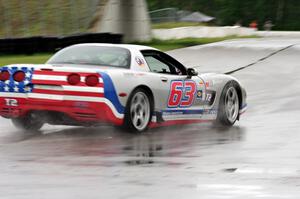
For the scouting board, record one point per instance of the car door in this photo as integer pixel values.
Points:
(178, 96)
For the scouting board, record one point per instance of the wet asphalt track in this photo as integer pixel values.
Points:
(257, 158)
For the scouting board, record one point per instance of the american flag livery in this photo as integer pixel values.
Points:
(45, 88)
(52, 85)
(55, 83)
(11, 86)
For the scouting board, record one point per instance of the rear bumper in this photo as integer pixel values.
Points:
(79, 111)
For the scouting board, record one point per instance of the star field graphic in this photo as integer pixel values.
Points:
(11, 86)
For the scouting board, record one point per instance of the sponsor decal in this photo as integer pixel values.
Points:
(133, 74)
(208, 84)
(139, 61)
(128, 74)
(199, 94)
(172, 113)
(210, 112)
(81, 104)
(208, 97)
(11, 102)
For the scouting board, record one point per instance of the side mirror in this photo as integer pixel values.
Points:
(191, 72)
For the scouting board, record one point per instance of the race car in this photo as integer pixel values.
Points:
(132, 86)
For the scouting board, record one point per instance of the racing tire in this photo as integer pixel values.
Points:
(28, 123)
(228, 111)
(138, 112)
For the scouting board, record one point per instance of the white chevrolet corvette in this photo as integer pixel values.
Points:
(126, 85)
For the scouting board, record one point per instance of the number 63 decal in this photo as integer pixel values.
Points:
(182, 93)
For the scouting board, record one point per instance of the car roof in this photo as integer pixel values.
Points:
(127, 46)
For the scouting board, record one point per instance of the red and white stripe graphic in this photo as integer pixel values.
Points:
(53, 85)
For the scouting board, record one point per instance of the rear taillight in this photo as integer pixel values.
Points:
(19, 76)
(74, 79)
(92, 80)
(4, 75)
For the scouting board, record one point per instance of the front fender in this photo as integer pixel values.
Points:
(217, 82)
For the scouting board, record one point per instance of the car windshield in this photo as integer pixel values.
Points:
(93, 55)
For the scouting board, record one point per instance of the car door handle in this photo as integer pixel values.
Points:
(163, 79)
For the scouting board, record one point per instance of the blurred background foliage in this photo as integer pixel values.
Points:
(21, 18)
(284, 14)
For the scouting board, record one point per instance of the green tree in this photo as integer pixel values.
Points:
(283, 13)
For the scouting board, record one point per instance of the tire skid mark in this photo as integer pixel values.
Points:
(260, 60)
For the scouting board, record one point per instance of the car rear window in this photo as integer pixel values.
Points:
(93, 55)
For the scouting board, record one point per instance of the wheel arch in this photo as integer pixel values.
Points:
(149, 93)
(148, 90)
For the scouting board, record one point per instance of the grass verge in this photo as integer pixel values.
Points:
(23, 59)
(163, 45)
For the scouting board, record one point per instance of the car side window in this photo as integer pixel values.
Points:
(157, 66)
(159, 62)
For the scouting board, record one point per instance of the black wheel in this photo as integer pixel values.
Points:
(138, 111)
(28, 123)
(229, 105)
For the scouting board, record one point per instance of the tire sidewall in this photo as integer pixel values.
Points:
(222, 118)
(26, 124)
(127, 123)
